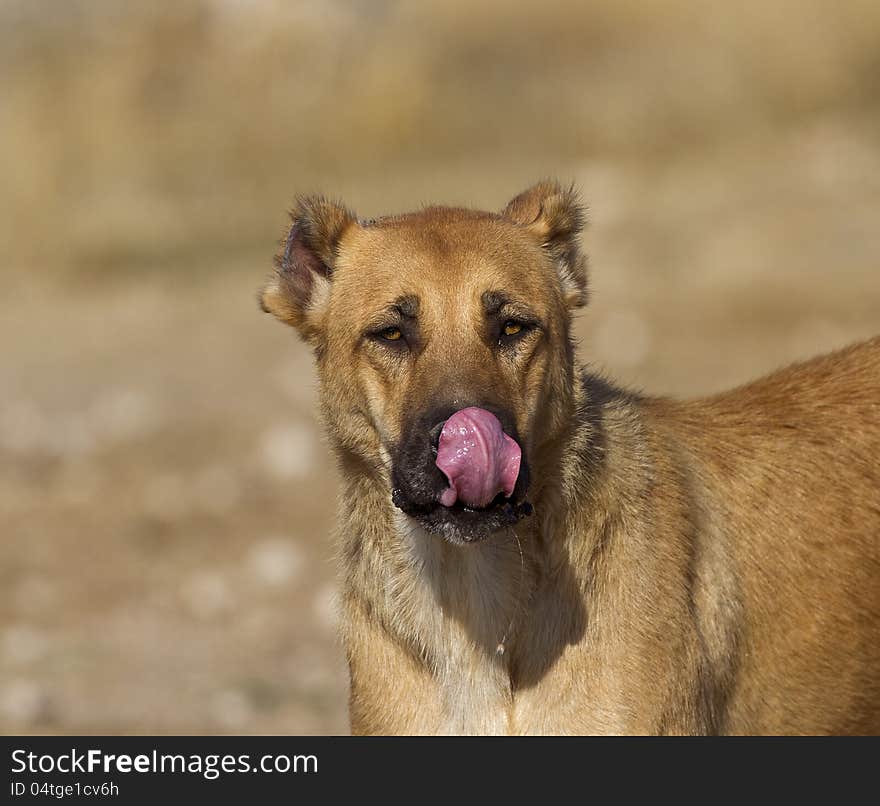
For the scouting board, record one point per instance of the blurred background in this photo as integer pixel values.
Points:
(165, 496)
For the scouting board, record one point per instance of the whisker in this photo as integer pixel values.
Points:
(499, 650)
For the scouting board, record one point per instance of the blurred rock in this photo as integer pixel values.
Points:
(276, 561)
(115, 416)
(286, 451)
(123, 414)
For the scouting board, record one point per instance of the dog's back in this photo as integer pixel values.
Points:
(785, 473)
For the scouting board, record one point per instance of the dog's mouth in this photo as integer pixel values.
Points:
(475, 481)
(461, 524)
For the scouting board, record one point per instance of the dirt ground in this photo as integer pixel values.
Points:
(165, 495)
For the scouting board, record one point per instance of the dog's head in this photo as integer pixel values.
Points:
(442, 342)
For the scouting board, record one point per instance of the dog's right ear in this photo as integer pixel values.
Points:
(298, 290)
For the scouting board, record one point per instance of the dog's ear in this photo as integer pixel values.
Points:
(555, 216)
(298, 289)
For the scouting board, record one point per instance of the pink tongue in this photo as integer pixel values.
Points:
(477, 458)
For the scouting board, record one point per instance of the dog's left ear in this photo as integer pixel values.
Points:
(555, 216)
(297, 291)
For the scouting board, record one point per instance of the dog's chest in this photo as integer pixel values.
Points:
(460, 609)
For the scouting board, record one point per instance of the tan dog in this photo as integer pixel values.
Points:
(710, 566)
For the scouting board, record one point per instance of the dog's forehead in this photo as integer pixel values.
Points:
(439, 246)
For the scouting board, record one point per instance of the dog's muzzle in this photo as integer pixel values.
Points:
(462, 473)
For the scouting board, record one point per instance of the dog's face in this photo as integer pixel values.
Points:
(417, 317)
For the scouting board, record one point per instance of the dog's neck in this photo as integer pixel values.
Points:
(421, 587)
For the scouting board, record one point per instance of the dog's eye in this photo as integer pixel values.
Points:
(512, 331)
(390, 334)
